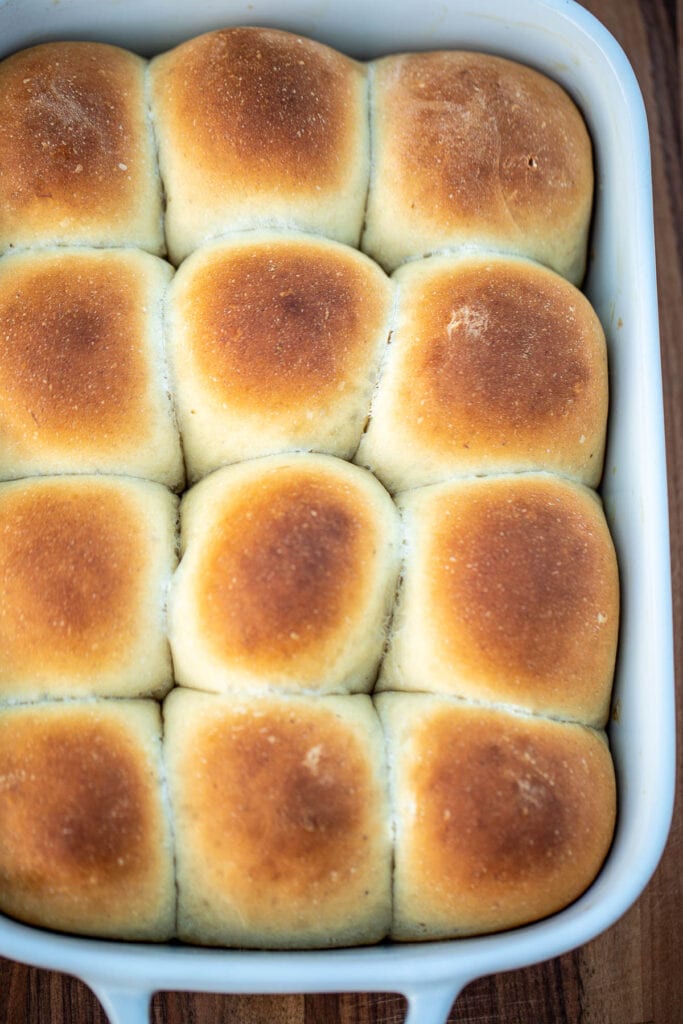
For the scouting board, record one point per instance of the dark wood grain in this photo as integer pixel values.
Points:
(633, 974)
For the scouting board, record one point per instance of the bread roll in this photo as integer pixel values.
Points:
(83, 383)
(260, 127)
(510, 595)
(500, 819)
(85, 563)
(495, 365)
(281, 820)
(475, 150)
(286, 579)
(85, 844)
(77, 162)
(274, 342)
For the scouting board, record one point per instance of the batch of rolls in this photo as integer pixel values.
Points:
(353, 684)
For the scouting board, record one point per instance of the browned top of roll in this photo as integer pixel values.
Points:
(484, 137)
(524, 588)
(72, 568)
(73, 370)
(80, 822)
(514, 816)
(69, 135)
(261, 104)
(502, 353)
(286, 567)
(276, 325)
(283, 797)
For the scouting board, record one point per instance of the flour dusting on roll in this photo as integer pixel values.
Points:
(281, 819)
(77, 163)
(495, 365)
(500, 819)
(475, 150)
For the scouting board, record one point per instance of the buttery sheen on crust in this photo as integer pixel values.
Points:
(495, 365)
(281, 820)
(260, 127)
(472, 149)
(77, 162)
(510, 594)
(274, 342)
(287, 576)
(82, 366)
(85, 845)
(500, 819)
(85, 563)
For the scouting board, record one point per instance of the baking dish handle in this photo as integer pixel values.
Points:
(432, 1004)
(425, 1005)
(122, 1005)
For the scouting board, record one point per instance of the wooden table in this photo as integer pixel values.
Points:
(634, 973)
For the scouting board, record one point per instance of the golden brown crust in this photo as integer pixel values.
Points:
(510, 594)
(281, 810)
(279, 325)
(261, 105)
(528, 583)
(81, 836)
(493, 131)
(293, 793)
(74, 155)
(75, 367)
(70, 571)
(507, 352)
(473, 148)
(284, 570)
(513, 817)
(496, 365)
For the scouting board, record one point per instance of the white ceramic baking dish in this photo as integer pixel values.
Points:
(563, 40)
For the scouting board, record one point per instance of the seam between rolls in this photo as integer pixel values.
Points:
(167, 805)
(370, 121)
(150, 122)
(392, 319)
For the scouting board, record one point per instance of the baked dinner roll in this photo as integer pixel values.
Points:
(495, 365)
(259, 127)
(500, 819)
(281, 820)
(274, 343)
(77, 162)
(510, 595)
(85, 844)
(287, 577)
(85, 565)
(472, 149)
(83, 383)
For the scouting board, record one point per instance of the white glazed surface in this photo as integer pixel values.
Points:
(563, 40)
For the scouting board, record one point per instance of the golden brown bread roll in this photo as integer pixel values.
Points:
(495, 365)
(274, 341)
(77, 163)
(281, 820)
(500, 818)
(85, 563)
(510, 595)
(83, 378)
(85, 844)
(475, 150)
(260, 127)
(287, 576)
